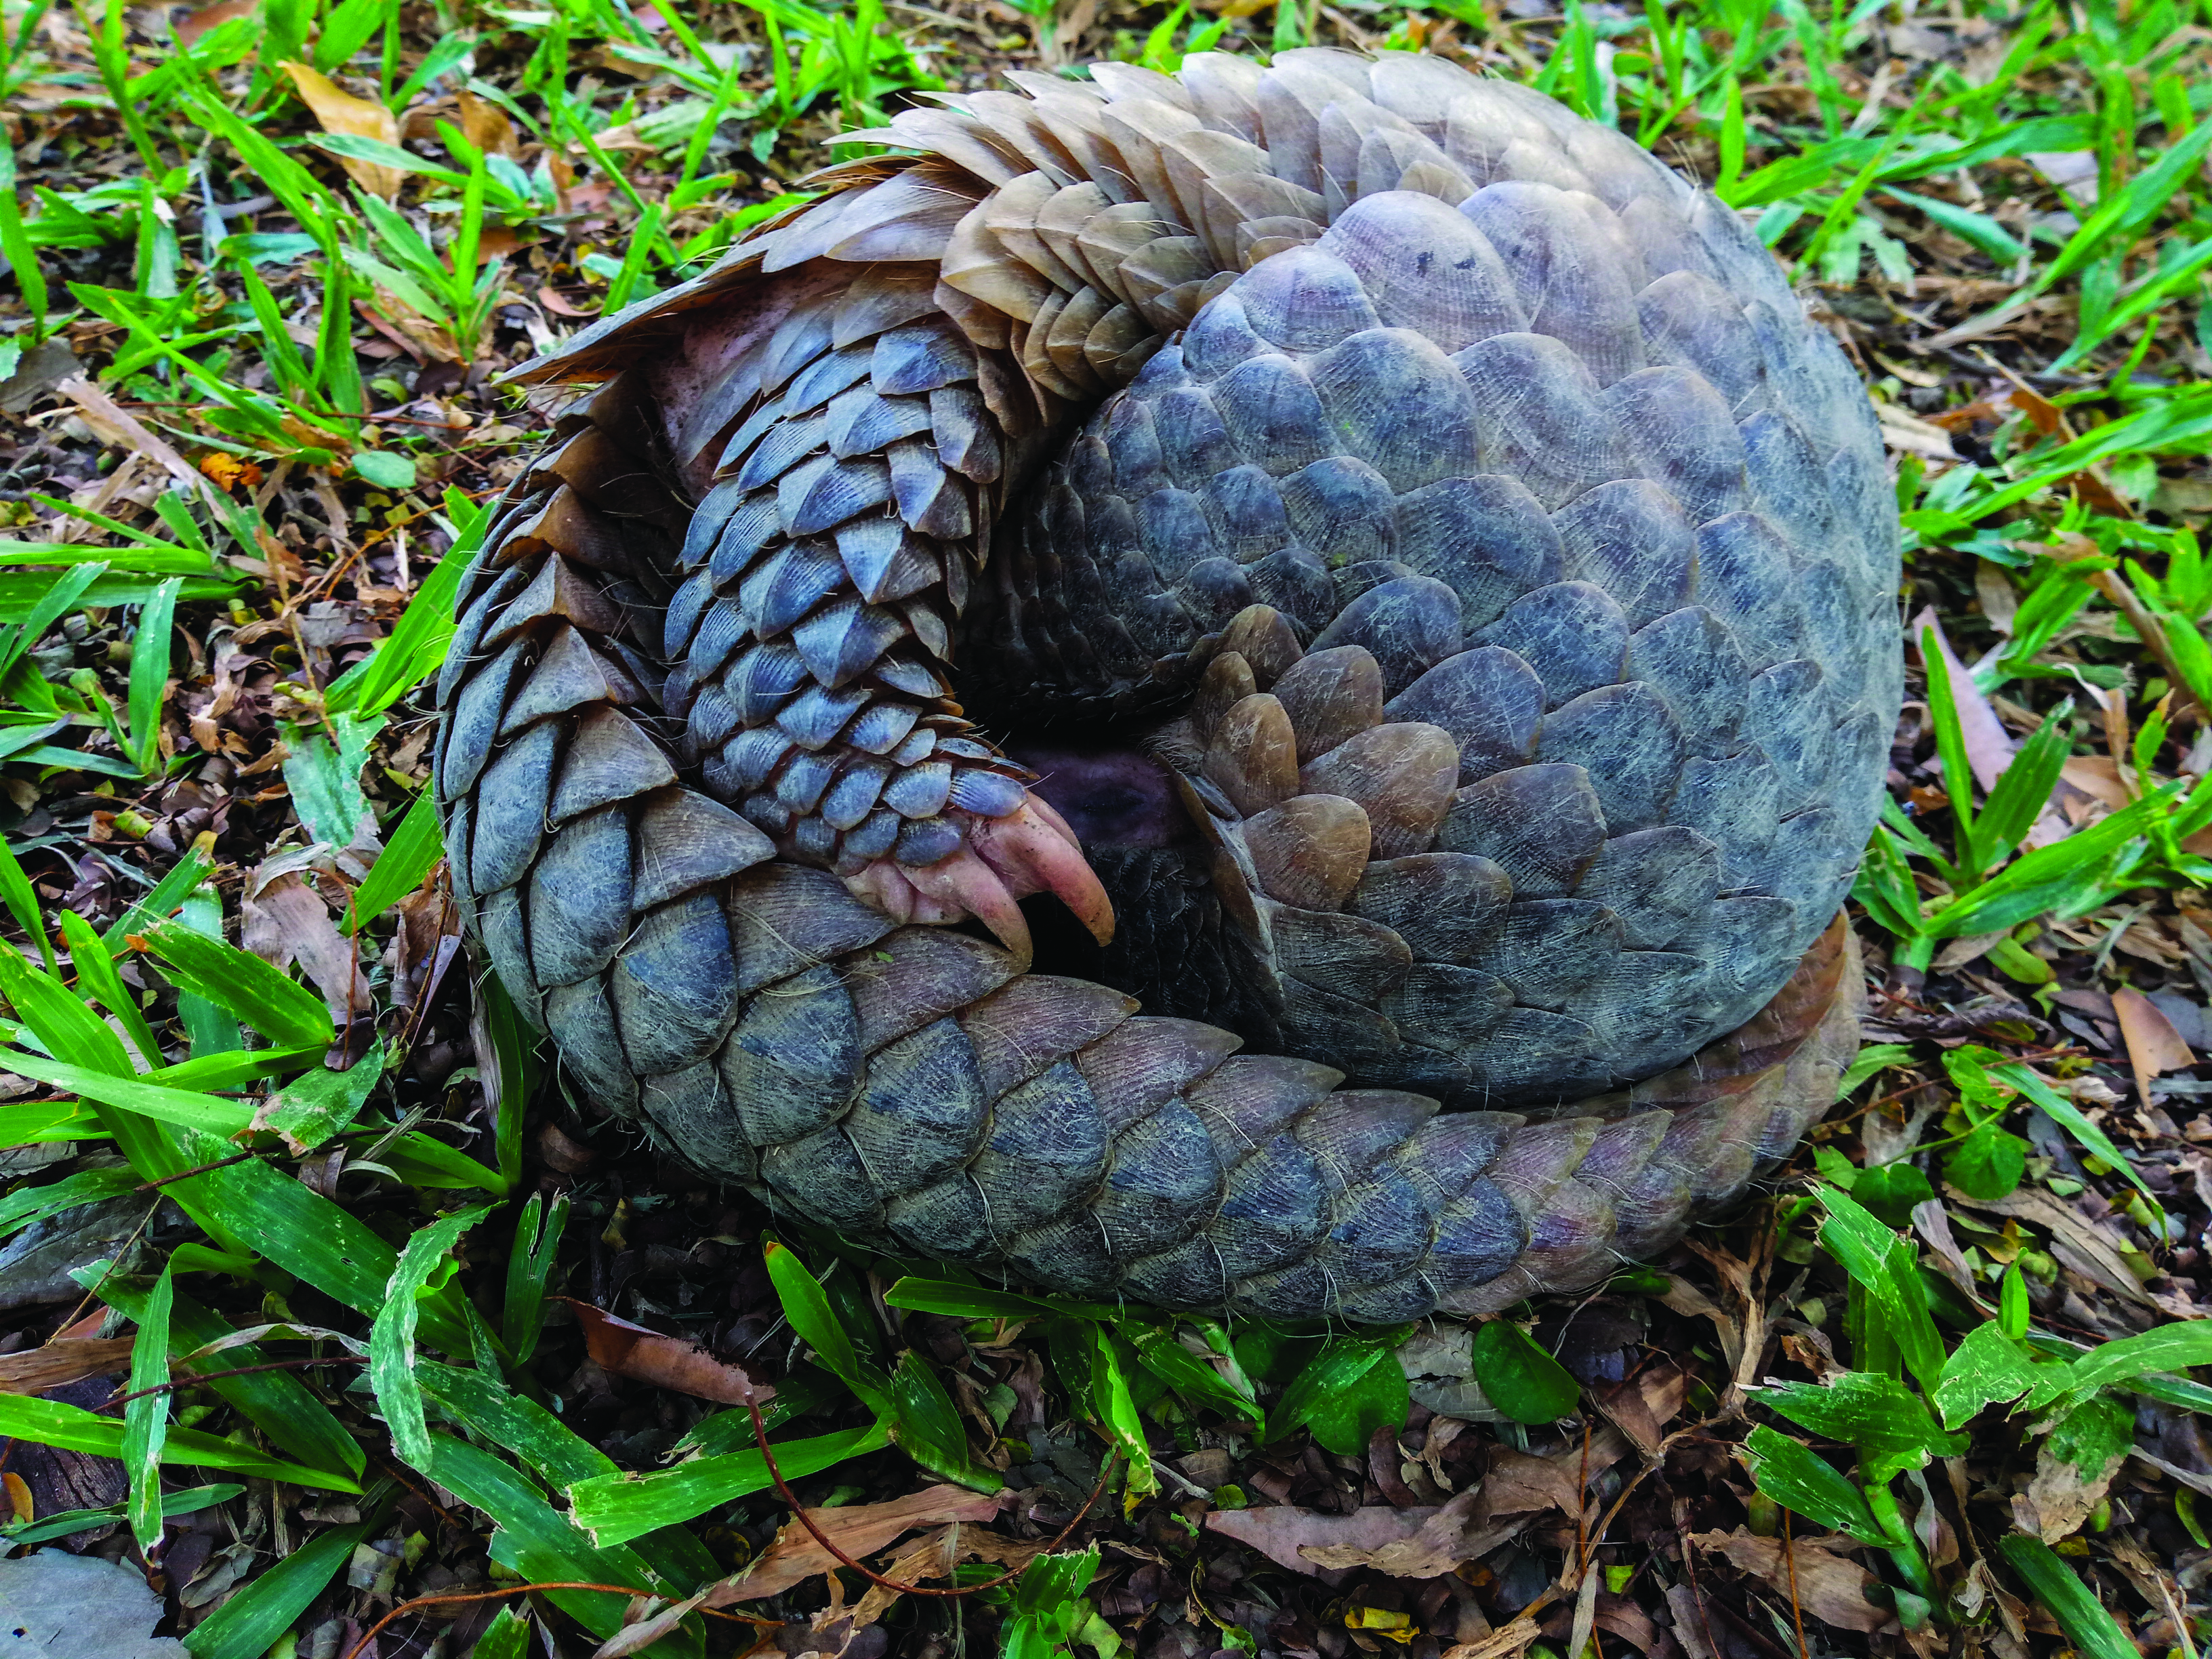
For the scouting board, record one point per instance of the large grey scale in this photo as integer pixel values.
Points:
(1393, 541)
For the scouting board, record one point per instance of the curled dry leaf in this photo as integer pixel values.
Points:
(1828, 1583)
(341, 112)
(859, 1529)
(622, 1349)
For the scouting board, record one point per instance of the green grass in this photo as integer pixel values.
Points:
(2058, 540)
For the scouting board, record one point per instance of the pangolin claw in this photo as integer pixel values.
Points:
(1004, 859)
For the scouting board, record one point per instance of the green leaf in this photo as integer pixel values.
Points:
(1114, 1410)
(72, 1428)
(417, 644)
(1343, 1422)
(2013, 1306)
(558, 1455)
(26, 1205)
(507, 1636)
(325, 777)
(317, 1104)
(2092, 1437)
(2064, 1112)
(248, 1625)
(146, 1419)
(60, 1019)
(277, 1403)
(941, 1296)
(2093, 1631)
(1989, 1368)
(387, 469)
(1161, 1353)
(1988, 1164)
(415, 846)
(2168, 1348)
(927, 1427)
(149, 674)
(1797, 1479)
(1885, 1268)
(811, 1316)
(65, 1523)
(529, 1264)
(392, 1339)
(1872, 1058)
(1891, 1190)
(1875, 1415)
(305, 1235)
(209, 1114)
(535, 1541)
(1520, 1378)
(617, 1508)
(239, 983)
(1340, 1365)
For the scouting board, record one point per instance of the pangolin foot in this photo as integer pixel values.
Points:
(1001, 861)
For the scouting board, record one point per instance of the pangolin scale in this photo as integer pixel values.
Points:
(1421, 568)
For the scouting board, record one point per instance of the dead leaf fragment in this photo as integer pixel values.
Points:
(340, 112)
(622, 1349)
(1815, 1571)
(2154, 1048)
(61, 1362)
(1297, 1538)
(859, 1529)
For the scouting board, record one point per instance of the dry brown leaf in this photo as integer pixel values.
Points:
(2073, 1240)
(284, 922)
(1284, 1534)
(110, 425)
(1440, 1537)
(1642, 1406)
(339, 111)
(2061, 1497)
(622, 1349)
(2154, 1048)
(2097, 777)
(484, 125)
(61, 1362)
(189, 28)
(1617, 1615)
(859, 1529)
(1828, 1584)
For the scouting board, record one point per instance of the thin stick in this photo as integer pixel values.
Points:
(192, 1379)
(1796, 1613)
(379, 1627)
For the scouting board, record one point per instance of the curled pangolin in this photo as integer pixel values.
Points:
(1439, 596)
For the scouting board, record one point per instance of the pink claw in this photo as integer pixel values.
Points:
(1030, 850)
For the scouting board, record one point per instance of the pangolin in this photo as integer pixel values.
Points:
(1390, 543)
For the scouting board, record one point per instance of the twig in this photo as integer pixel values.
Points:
(187, 1175)
(381, 1624)
(1796, 1613)
(192, 1379)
